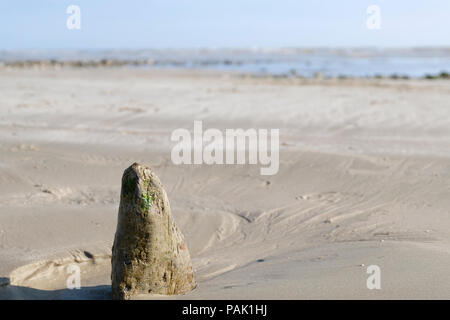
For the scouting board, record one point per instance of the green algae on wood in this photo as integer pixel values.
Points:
(147, 200)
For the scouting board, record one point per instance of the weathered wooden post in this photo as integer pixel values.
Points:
(149, 255)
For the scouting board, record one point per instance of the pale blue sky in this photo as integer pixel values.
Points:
(135, 24)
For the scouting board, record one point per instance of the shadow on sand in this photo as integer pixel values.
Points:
(12, 292)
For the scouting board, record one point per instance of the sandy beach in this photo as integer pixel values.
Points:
(364, 179)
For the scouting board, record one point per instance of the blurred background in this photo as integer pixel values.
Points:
(285, 37)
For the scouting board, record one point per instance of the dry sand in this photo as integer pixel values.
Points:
(364, 180)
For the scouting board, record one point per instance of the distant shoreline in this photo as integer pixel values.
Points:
(149, 63)
(416, 63)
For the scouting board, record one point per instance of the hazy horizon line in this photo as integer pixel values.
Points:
(248, 48)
